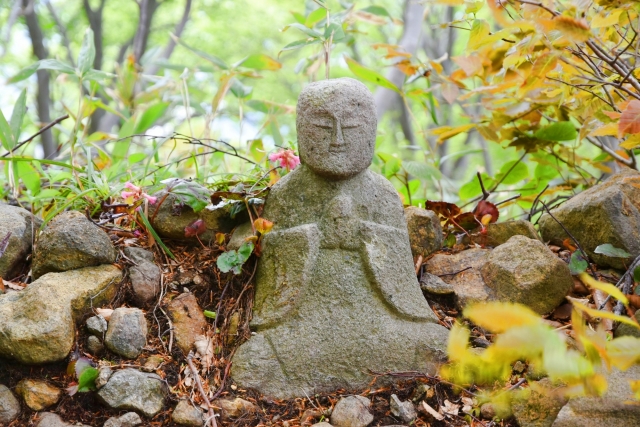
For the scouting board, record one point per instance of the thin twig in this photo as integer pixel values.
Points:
(485, 193)
(44, 129)
(535, 202)
(454, 273)
(211, 414)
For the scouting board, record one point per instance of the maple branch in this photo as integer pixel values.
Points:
(631, 162)
(586, 90)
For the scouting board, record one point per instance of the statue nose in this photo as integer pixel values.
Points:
(338, 139)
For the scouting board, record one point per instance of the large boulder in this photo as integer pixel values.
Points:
(38, 324)
(606, 213)
(525, 271)
(499, 232)
(462, 271)
(71, 241)
(135, 390)
(170, 215)
(425, 231)
(615, 409)
(23, 226)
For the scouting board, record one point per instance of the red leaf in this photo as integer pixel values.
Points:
(630, 119)
(444, 209)
(467, 221)
(486, 208)
(196, 228)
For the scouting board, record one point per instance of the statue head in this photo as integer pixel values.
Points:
(336, 126)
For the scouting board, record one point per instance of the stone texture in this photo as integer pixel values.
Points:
(539, 406)
(606, 213)
(624, 329)
(104, 373)
(9, 405)
(145, 276)
(525, 271)
(403, 410)
(38, 394)
(127, 332)
(234, 408)
(130, 419)
(188, 320)
(38, 324)
(335, 287)
(135, 390)
(185, 414)
(239, 236)
(138, 255)
(97, 325)
(435, 285)
(615, 409)
(352, 411)
(22, 226)
(94, 345)
(173, 215)
(49, 419)
(468, 285)
(425, 231)
(499, 232)
(322, 424)
(70, 241)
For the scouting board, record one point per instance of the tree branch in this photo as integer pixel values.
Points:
(177, 32)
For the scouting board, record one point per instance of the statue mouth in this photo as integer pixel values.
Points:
(337, 149)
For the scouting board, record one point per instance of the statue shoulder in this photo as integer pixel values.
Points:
(387, 200)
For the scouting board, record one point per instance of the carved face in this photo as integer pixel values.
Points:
(336, 127)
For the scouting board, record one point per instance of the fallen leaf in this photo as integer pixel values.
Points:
(104, 312)
(450, 408)
(435, 414)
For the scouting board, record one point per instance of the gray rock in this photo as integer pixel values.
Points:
(425, 231)
(612, 209)
(188, 320)
(97, 325)
(70, 241)
(49, 419)
(130, 419)
(23, 226)
(624, 329)
(104, 373)
(135, 390)
(127, 332)
(38, 394)
(614, 409)
(539, 404)
(525, 271)
(322, 424)
(172, 216)
(403, 410)
(38, 324)
(234, 408)
(435, 285)
(94, 345)
(487, 411)
(138, 255)
(468, 285)
(9, 405)
(145, 282)
(239, 236)
(336, 286)
(186, 414)
(352, 411)
(499, 232)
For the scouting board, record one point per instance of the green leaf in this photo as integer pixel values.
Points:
(233, 260)
(190, 193)
(87, 379)
(336, 30)
(29, 176)
(609, 250)
(97, 76)
(578, 264)
(369, 75)
(519, 172)
(261, 62)
(299, 43)
(636, 276)
(308, 31)
(6, 136)
(87, 52)
(55, 65)
(209, 314)
(149, 117)
(240, 90)
(315, 17)
(211, 58)
(19, 111)
(421, 170)
(376, 10)
(149, 228)
(136, 157)
(559, 131)
(244, 251)
(25, 73)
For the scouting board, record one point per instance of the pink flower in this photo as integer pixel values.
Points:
(286, 159)
(135, 194)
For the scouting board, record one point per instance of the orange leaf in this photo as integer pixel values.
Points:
(630, 119)
(470, 64)
(576, 30)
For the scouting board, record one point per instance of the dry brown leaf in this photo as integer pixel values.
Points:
(104, 312)
(435, 414)
(450, 408)
(204, 349)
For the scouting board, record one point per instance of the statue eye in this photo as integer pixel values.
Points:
(323, 124)
(350, 125)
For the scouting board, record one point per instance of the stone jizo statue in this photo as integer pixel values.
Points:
(336, 292)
